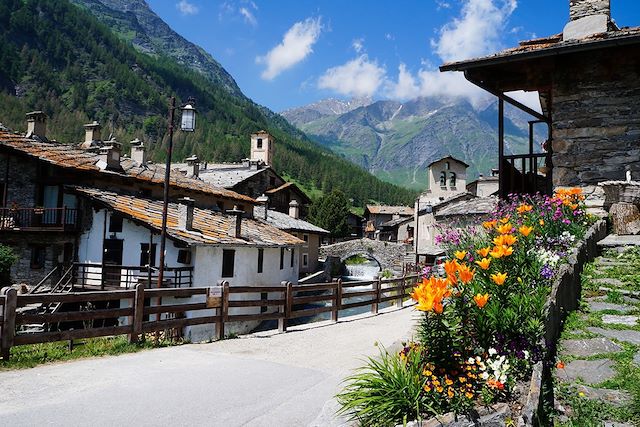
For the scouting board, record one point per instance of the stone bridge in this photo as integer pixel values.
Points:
(389, 255)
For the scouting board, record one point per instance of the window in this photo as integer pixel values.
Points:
(228, 261)
(293, 253)
(305, 237)
(3, 198)
(452, 179)
(305, 259)
(115, 223)
(38, 254)
(144, 255)
(184, 256)
(260, 260)
(259, 143)
(443, 179)
(281, 258)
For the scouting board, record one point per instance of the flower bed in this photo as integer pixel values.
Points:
(483, 325)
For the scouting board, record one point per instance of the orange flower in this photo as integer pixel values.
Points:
(525, 230)
(430, 293)
(497, 252)
(460, 254)
(466, 273)
(489, 224)
(560, 364)
(483, 252)
(481, 300)
(507, 250)
(499, 278)
(505, 219)
(484, 263)
(524, 208)
(504, 240)
(504, 228)
(541, 222)
(451, 267)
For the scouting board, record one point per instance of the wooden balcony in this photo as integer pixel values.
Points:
(39, 219)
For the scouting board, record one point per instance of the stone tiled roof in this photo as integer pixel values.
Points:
(293, 186)
(448, 158)
(72, 157)
(286, 222)
(225, 175)
(472, 207)
(390, 210)
(209, 227)
(396, 222)
(551, 45)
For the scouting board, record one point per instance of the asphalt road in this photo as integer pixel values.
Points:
(263, 379)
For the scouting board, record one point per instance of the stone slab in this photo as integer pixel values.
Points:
(626, 335)
(614, 319)
(614, 241)
(603, 305)
(591, 371)
(613, 397)
(636, 359)
(589, 347)
(607, 281)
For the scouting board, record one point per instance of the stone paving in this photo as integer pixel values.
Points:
(599, 351)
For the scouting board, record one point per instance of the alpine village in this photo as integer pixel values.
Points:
(457, 244)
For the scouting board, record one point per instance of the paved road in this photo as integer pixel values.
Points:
(264, 379)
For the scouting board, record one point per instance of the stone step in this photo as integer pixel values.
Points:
(613, 397)
(619, 242)
(590, 371)
(614, 319)
(633, 294)
(588, 347)
(626, 335)
(599, 305)
(607, 281)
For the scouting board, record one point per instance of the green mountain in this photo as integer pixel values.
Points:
(59, 58)
(397, 141)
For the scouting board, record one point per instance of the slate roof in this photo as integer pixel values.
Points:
(286, 222)
(72, 157)
(210, 227)
(396, 222)
(448, 157)
(225, 175)
(390, 210)
(475, 206)
(290, 185)
(552, 45)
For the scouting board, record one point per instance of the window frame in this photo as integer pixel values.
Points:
(260, 260)
(226, 264)
(281, 258)
(117, 225)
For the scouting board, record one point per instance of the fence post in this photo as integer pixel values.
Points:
(401, 292)
(223, 310)
(9, 321)
(285, 309)
(337, 300)
(376, 286)
(138, 313)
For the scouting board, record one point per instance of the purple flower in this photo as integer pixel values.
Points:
(546, 272)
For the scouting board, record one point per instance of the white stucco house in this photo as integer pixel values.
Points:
(204, 247)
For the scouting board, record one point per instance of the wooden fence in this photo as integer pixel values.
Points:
(152, 310)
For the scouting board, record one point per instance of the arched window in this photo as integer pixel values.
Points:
(452, 179)
(443, 179)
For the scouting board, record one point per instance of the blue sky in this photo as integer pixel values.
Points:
(287, 53)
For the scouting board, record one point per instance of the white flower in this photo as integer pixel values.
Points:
(484, 375)
(471, 360)
(493, 351)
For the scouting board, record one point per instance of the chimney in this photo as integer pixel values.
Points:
(91, 135)
(264, 200)
(37, 125)
(110, 155)
(193, 166)
(138, 152)
(185, 213)
(587, 17)
(238, 224)
(294, 209)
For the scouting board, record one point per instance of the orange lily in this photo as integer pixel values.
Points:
(484, 263)
(481, 300)
(489, 224)
(524, 208)
(504, 240)
(507, 250)
(504, 228)
(541, 222)
(505, 219)
(499, 278)
(450, 267)
(429, 294)
(525, 230)
(460, 254)
(497, 252)
(466, 274)
(483, 252)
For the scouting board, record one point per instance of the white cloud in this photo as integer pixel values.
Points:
(296, 45)
(443, 4)
(358, 77)
(248, 16)
(405, 88)
(358, 45)
(187, 8)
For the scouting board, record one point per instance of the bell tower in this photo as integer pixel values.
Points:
(262, 147)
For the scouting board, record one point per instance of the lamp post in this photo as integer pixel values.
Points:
(187, 124)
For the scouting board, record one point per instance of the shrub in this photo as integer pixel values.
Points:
(7, 258)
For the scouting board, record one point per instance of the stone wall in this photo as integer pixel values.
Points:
(389, 255)
(22, 187)
(581, 8)
(596, 117)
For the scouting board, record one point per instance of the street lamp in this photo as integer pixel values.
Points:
(187, 124)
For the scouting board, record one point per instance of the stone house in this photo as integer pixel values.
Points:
(376, 215)
(587, 81)
(252, 177)
(398, 230)
(485, 186)
(446, 176)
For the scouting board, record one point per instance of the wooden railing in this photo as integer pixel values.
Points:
(99, 276)
(521, 174)
(141, 310)
(33, 219)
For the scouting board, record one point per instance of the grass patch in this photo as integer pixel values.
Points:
(28, 356)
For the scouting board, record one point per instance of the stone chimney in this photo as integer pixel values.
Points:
(110, 154)
(262, 147)
(294, 209)
(37, 125)
(237, 232)
(91, 135)
(193, 166)
(264, 200)
(587, 17)
(185, 213)
(138, 152)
